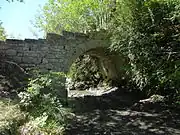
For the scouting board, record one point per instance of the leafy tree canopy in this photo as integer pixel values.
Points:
(73, 15)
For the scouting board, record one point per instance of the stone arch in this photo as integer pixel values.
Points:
(93, 48)
(57, 52)
(73, 45)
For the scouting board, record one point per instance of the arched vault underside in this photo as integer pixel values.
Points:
(110, 63)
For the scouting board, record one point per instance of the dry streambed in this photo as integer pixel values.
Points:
(117, 113)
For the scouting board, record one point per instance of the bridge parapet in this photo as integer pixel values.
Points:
(27, 53)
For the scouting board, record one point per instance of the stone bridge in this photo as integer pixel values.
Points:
(57, 52)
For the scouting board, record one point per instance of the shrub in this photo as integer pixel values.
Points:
(147, 32)
(86, 69)
(11, 117)
(44, 102)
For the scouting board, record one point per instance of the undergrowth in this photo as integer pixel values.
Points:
(45, 101)
(11, 117)
(41, 107)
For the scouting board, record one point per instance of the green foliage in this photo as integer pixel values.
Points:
(2, 33)
(147, 32)
(74, 15)
(39, 125)
(11, 117)
(42, 100)
(85, 69)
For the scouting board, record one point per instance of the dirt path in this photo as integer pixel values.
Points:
(115, 114)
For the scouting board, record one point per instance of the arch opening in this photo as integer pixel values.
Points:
(97, 67)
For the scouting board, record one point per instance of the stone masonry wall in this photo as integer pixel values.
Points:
(56, 52)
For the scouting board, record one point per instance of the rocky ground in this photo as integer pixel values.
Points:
(91, 91)
(6, 88)
(12, 77)
(106, 110)
(119, 113)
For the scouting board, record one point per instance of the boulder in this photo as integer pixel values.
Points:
(153, 99)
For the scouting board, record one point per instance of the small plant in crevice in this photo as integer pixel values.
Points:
(45, 100)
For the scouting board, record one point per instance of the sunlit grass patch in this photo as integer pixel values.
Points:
(11, 117)
(41, 125)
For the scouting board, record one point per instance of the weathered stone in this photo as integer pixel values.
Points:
(27, 65)
(31, 41)
(53, 60)
(2, 43)
(45, 48)
(56, 52)
(31, 53)
(56, 49)
(153, 99)
(44, 61)
(49, 66)
(31, 60)
(14, 41)
(20, 54)
(25, 48)
(3, 47)
(18, 59)
(11, 52)
(51, 56)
